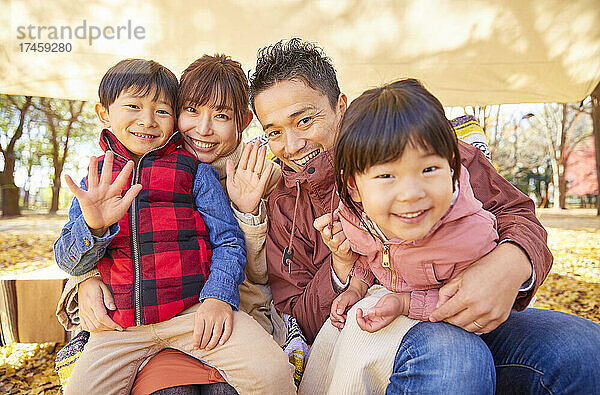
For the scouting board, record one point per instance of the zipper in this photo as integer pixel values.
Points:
(137, 264)
(386, 251)
(386, 263)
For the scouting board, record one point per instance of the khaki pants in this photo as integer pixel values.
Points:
(250, 360)
(354, 361)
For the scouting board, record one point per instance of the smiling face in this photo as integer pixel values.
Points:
(298, 121)
(407, 196)
(210, 132)
(141, 123)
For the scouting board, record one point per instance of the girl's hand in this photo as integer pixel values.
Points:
(213, 323)
(246, 184)
(94, 300)
(340, 306)
(343, 257)
(386, 310)
(102, 204)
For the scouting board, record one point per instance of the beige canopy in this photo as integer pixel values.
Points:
(466, 52)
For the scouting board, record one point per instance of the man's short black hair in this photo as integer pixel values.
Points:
(294, 59)
(143, 76)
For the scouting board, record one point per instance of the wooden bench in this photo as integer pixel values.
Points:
(28, 305)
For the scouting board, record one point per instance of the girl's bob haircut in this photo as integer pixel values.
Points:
(216, 81)
(380, 123)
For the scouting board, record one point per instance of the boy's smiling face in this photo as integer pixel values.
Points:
(141, 123)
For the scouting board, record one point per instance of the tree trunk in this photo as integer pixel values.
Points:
(26, 199)
(562, 187)
(556, 167)
(27, 186)
(10, 192)
(559, 165)
(596, 121)
(55, 194)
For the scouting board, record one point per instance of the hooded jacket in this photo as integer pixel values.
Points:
(465, 233)
(304, 288)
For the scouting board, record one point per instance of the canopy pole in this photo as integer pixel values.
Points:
(596, 131)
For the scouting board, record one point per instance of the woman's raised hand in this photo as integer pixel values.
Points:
(247, 182)
(102, 204)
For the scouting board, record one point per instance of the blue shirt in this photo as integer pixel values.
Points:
(77, 251)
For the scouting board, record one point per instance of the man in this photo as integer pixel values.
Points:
(296, 97)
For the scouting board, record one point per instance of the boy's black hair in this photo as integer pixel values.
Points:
(143, 76)
(379, 124)
(294, 59)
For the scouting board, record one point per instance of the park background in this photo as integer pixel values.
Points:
(527, 71)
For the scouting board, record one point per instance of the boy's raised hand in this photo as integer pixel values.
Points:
(247, 182)
(102, 204)
(213, 324)
(386, 310)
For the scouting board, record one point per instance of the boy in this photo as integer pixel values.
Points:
(152, 247)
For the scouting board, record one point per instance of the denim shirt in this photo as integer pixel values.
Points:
(77, 251)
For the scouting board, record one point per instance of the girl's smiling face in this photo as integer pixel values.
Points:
(407, 196)
(210, 133)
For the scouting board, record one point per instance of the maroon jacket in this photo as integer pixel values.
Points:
(305, 290)
(159, 260)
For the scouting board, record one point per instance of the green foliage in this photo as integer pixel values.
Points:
(53, 130)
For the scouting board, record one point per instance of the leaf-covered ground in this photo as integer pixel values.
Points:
(572, 286)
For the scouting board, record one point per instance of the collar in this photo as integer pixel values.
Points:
(108, 141)
(221, 163)
(319, 172)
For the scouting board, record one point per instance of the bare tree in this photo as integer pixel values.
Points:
(520, 155)
(29, 154)
(488, 118)
(562, 132)
(14, 112)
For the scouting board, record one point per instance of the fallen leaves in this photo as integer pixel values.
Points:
(29, 368)
(25, 252)
(573, 286)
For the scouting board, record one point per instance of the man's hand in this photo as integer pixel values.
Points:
(344, 301)
(213, 323)
(94, 300)
(247, 182)
(480, 298)
(343, 257)
(102, 204)
(386, 310)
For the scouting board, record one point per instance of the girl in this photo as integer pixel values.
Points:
(409, 216)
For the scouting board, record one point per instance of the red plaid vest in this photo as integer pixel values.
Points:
(158, 262)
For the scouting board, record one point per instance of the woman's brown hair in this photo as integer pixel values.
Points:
(217, 81)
